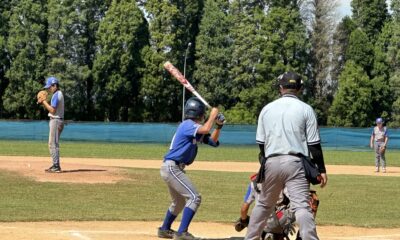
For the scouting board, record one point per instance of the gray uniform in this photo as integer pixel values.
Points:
(180, 188)
(56, 126)
(379, 136)
(285, 127)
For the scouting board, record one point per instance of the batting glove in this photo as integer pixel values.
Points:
(220, 119)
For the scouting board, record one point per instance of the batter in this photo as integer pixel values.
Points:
(182, 152)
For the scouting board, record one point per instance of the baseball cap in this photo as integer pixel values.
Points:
(50, 81)
(290, 80)
(379, 120)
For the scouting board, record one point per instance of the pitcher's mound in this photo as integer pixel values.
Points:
(71, 172)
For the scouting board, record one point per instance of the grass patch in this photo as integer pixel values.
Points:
(157, 151)
(347, 200)
(364, 201)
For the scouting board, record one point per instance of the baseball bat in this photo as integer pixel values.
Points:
(178, 75)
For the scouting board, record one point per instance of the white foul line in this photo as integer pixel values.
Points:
(79, 235)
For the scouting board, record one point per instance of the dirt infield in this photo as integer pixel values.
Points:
(147, 231)
(90, 170)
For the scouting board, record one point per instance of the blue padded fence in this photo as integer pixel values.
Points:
(339, 138)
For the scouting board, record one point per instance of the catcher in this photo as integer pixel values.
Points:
(56, 115)
(279, 225)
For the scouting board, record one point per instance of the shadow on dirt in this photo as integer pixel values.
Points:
(83, 170)
(230, 238)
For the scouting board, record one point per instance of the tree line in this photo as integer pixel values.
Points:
(109, 55)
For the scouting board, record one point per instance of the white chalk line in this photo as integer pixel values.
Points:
(79, 235)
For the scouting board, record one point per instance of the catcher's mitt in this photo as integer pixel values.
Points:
(42, 96)
(314, 202)
(241, 224)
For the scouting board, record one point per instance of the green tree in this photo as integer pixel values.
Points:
(283, 3)
(5, 11)
(245, 73)
(213, 54)
(370, 15)
(26, 47)
(172, 25)
(395, 7)
(340, 44)
(393, 61)
(382, 91)
(121, 37)
(71, 50)
(352, 106)
(361, 50)
(265, 44)
(323, 88)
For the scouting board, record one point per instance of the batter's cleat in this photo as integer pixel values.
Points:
(169, 233)
(184, 236)
(377, 169)
(384, 170)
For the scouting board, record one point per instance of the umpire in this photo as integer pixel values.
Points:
(287, 130)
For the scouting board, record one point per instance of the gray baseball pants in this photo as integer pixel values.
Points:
(56, 126)
(379, 157)
(183, 192)
(281, 171)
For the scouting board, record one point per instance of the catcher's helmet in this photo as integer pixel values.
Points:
(194, 108)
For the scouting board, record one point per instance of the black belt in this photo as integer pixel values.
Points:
(290, 154)
(56, 118)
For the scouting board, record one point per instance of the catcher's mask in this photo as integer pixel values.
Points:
(290, 80)
(194, 108)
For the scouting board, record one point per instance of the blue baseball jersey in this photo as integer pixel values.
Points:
(183, 147)
(57, 102)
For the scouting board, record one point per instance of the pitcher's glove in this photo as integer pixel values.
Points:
(382, 149)
(42, 96)
(220, 120)
(241, 224)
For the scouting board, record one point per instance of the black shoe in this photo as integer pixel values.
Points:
(169, 233)
(49, 169)
(54, 169)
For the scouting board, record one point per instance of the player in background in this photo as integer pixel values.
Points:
(56, 123)
(182, 152)
(378, 141)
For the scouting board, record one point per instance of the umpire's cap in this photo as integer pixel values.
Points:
(194, 108)
(290, 80)
(50, 81)
(379, 120)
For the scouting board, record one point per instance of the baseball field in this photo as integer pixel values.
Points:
(114, 191)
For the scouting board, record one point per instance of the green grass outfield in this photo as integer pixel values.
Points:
(348, 200)
(157, 151)
(366, 201)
